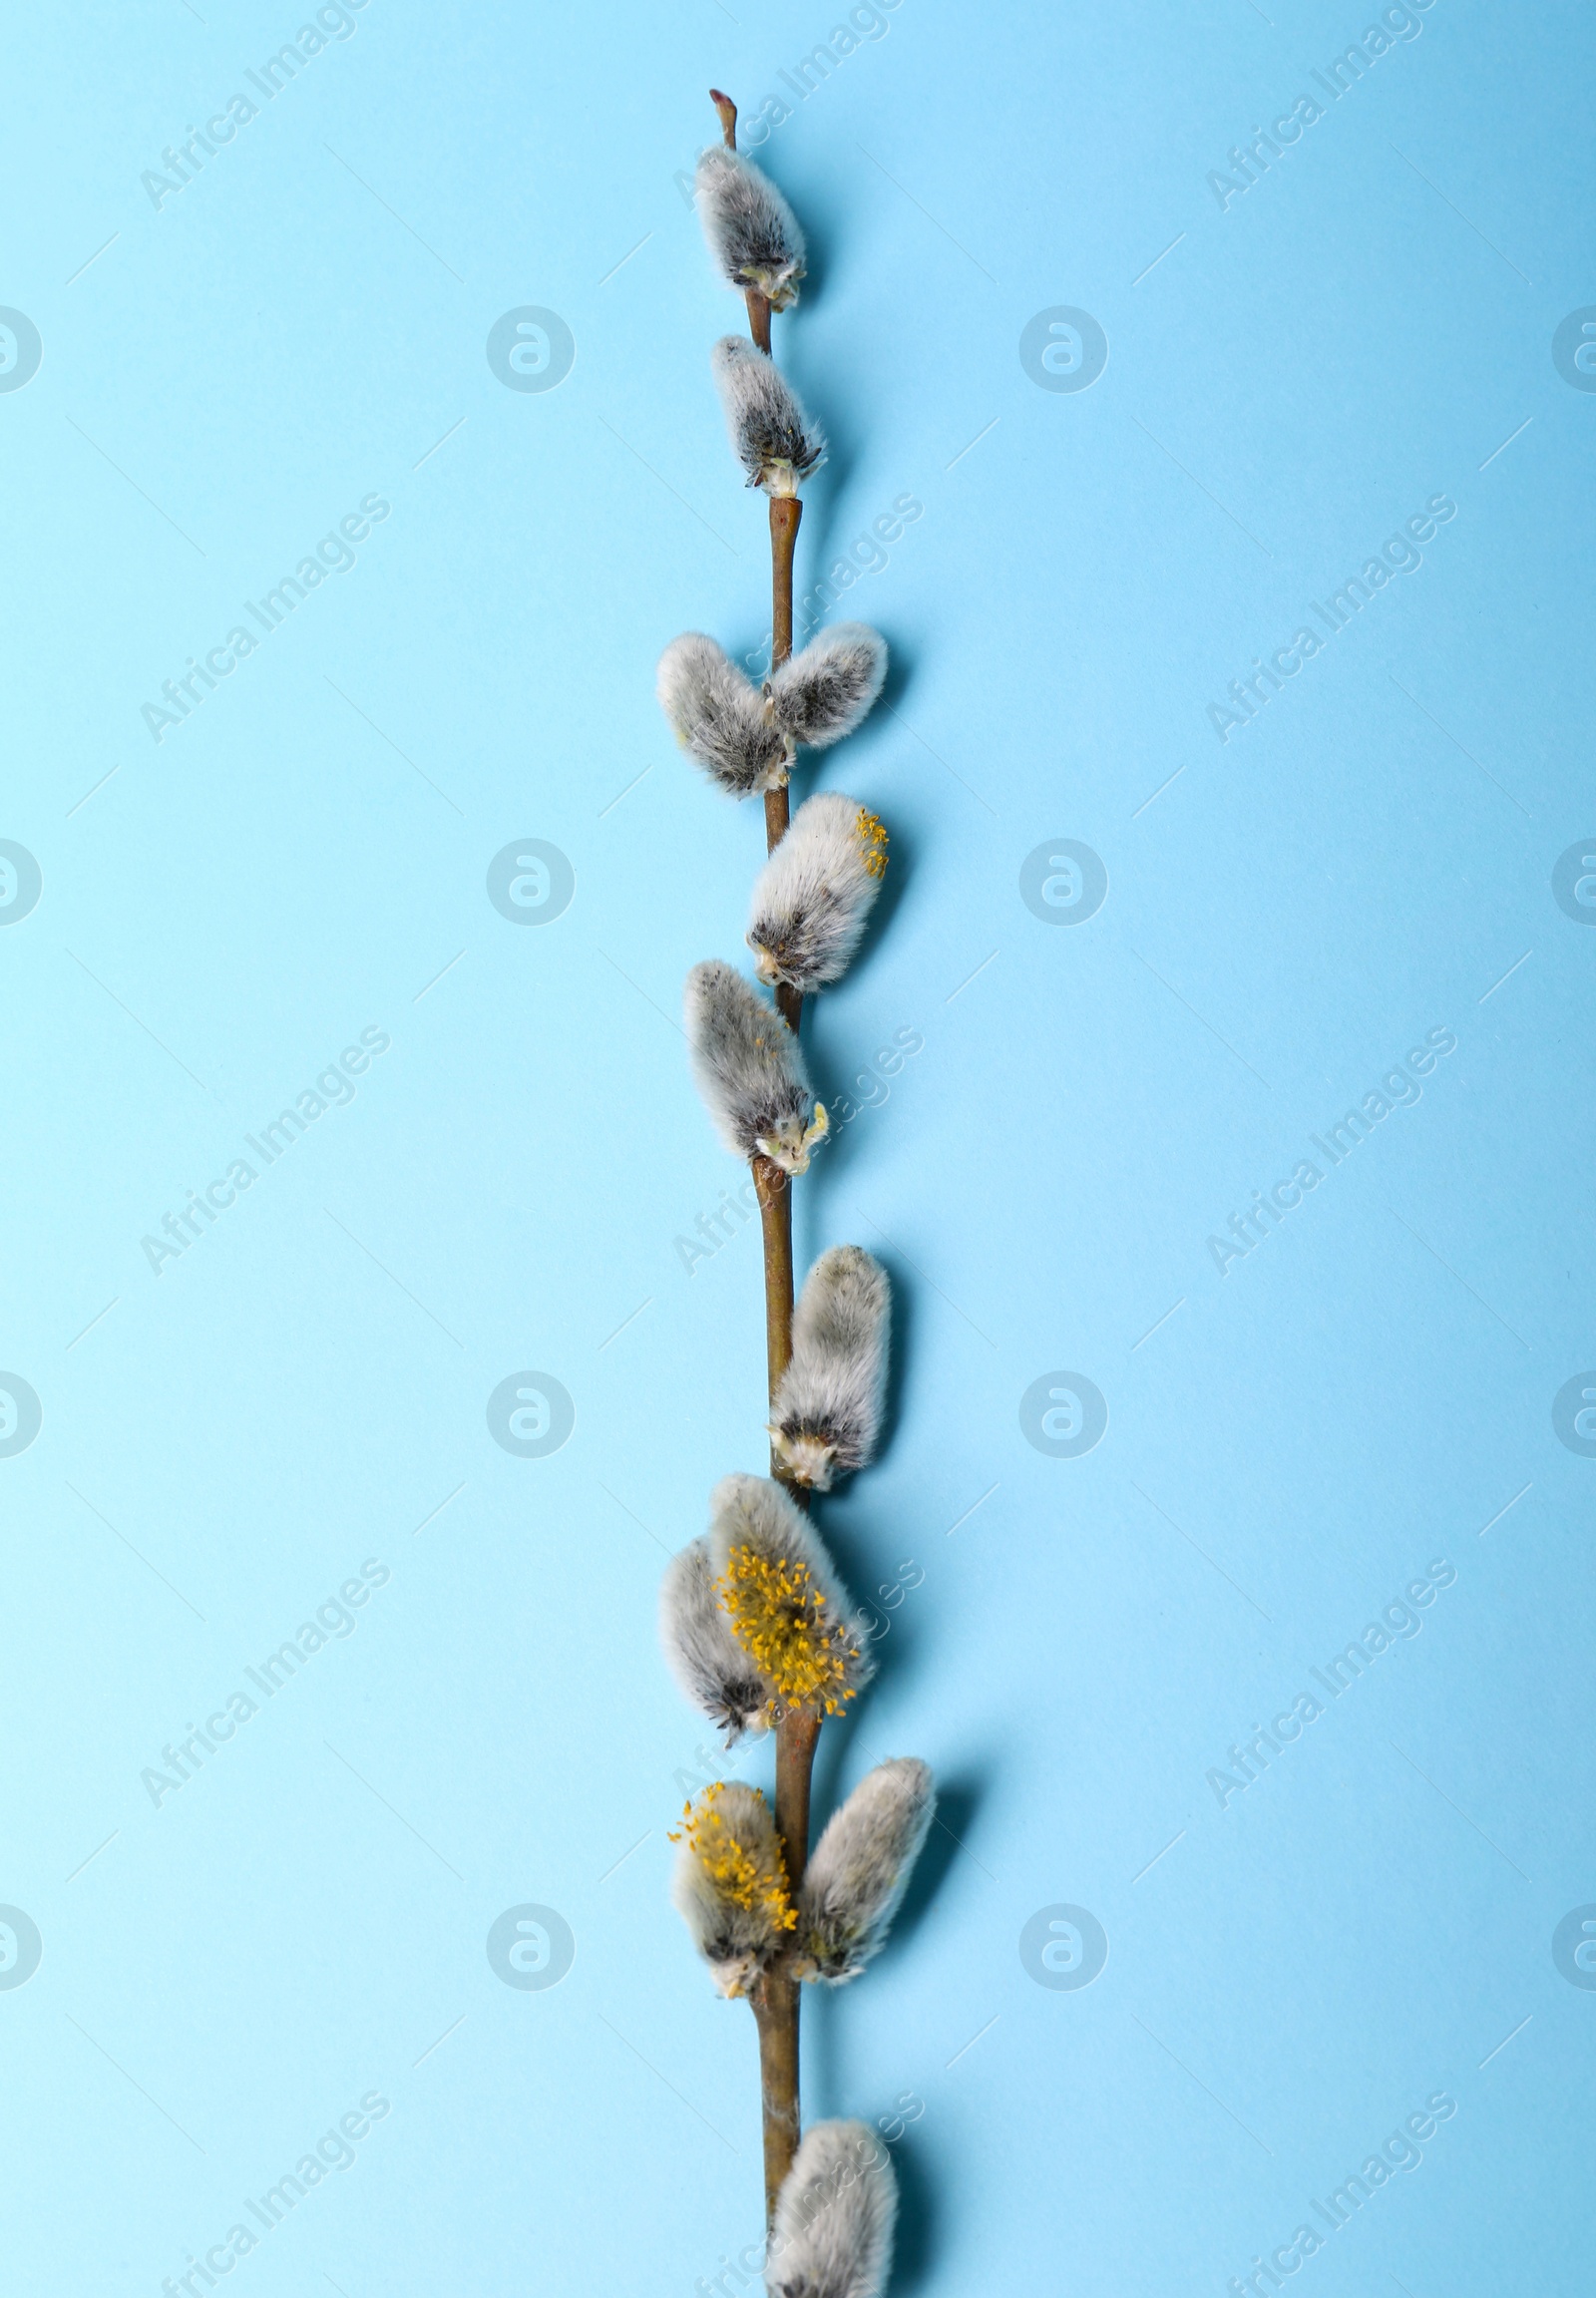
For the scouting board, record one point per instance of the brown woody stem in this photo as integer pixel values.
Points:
(777, 816)
(775, 2007)
(776, 1998)
(785, 513)
(774, 1191)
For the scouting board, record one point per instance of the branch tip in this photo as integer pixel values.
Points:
(728, 117)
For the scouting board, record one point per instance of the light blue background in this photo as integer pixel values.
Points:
(305, 1387)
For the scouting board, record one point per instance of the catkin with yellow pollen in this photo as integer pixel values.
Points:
(750, 1874)
(782, 1599)
(730, 1883)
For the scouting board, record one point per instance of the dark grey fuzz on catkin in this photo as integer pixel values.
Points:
(827, 1415)
(705, 1658)
(720, 718)
(812, 898)
(749, 1069)
(835, 2217)
(823, 694)
(772, 437)
(855, 1879)
(753, 234)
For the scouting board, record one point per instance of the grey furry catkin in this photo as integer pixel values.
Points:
(705, 1658)
(753, 1512)
(860, 1870)
(749, 1068)
(825, 1419)
(774, 437)
(812, 898)
(729, 1884)
(720, 718)
(823, 694)
(753, 234)
(833, 2230)
(745, 736)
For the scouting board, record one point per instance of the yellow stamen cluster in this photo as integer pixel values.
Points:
(872, 838)
(736, 1874)
(783, 1622)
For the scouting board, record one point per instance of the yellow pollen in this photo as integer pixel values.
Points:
(872, 836)
(784, 1624)
(738, 1875)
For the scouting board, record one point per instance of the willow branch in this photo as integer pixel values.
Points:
(777, 1995)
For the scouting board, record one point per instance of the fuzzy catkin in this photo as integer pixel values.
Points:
(827, 1415)
(749, 1068)
(823, 694)
(812, 898)
(753, 234)
(859, 1869)
(772, 437)
(730, 1886)
(787, 1606)
(720, 718)
(704, 1656)
(745, 736)
(835, 2217)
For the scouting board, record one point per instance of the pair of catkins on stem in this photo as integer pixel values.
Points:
(755, 1622)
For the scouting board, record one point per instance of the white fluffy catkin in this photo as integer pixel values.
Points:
(774, 437)
(754, 1512)
(825, 1419)
(753, 234)
(823, 694)
(860, 1870)
(749, 1068)
(835, 2215)
(720, 718)
(729, 1884)
(705, 1658)
(812, 898)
